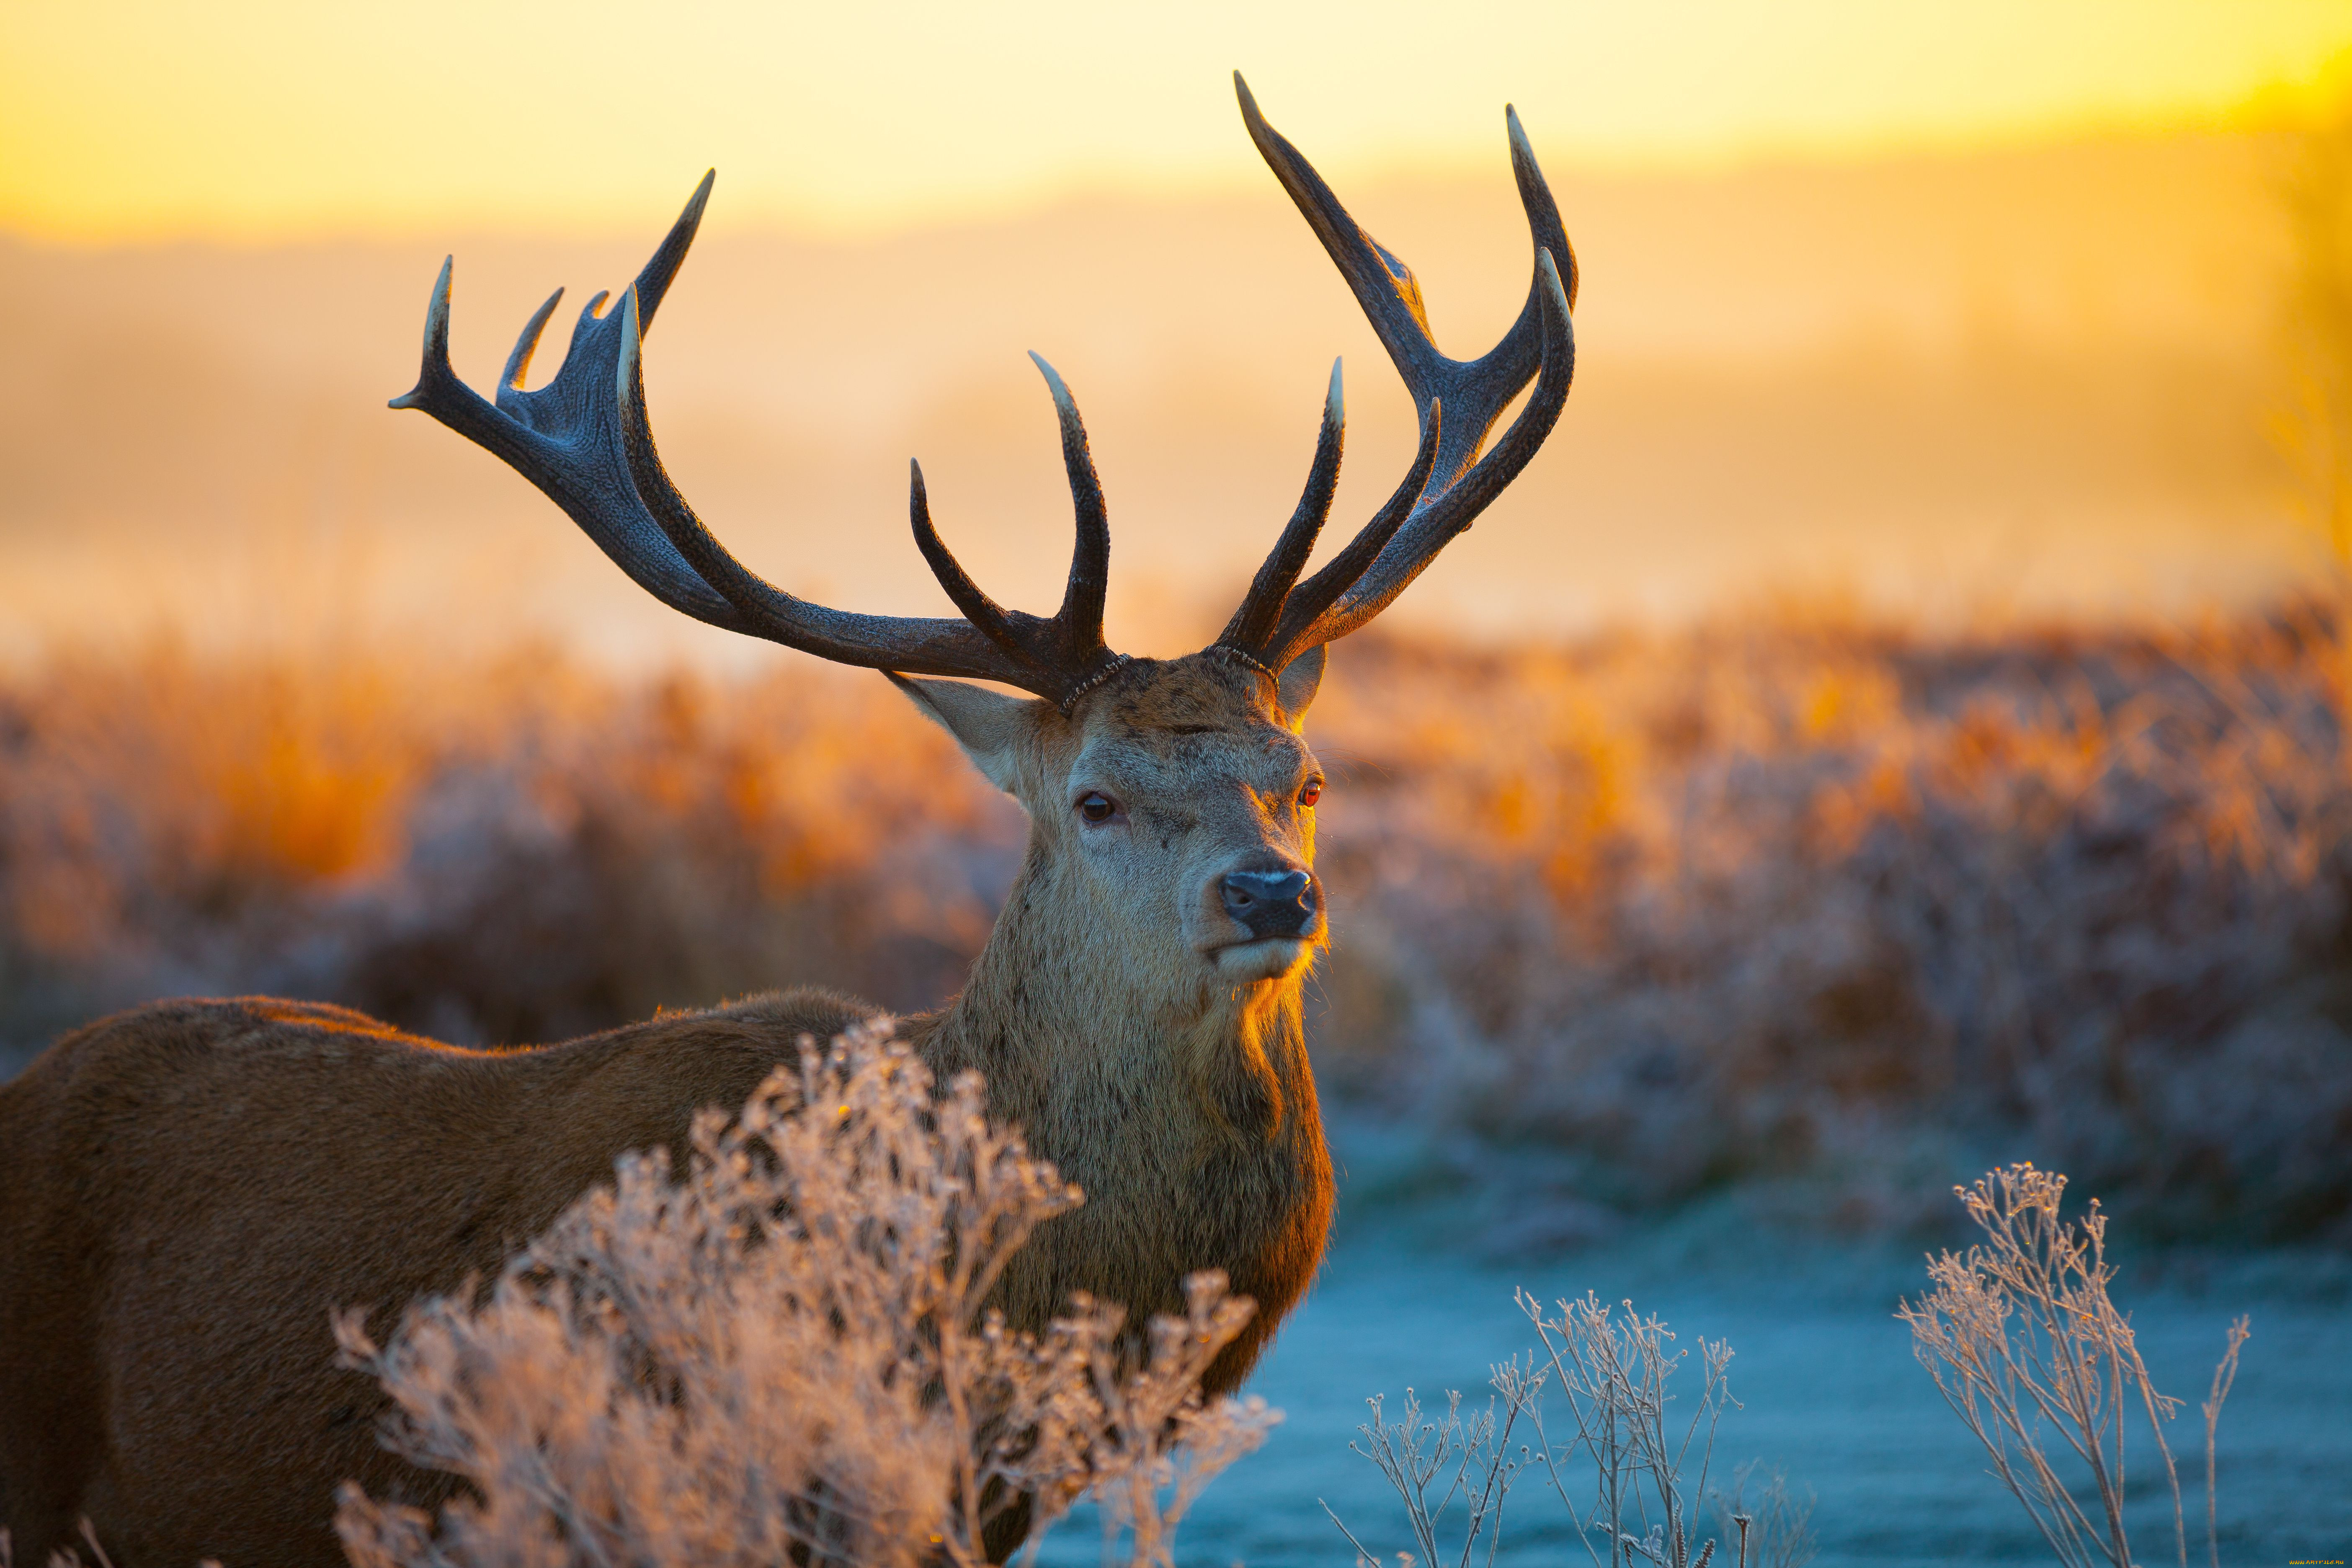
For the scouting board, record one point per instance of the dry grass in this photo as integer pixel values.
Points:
(498, 851)
(1786, 895)
(1619, 1463)
(1776, 895)
(2033, 1354)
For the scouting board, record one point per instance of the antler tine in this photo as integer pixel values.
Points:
(1458, 400)
(653, 283)
(1436, 521)
(585, 440)
(909, 643)
(1476, 390)
(1543, 214)
(1254, 622)
(1383, 285)
(594, 493)
(435, 378)
(1302, 615)
(661, 268)
(526, 344)
(990, 643)
(992, 619)
(1080, 618)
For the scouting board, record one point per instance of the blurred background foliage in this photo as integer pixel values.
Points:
(1797, 901)
(1900, 726)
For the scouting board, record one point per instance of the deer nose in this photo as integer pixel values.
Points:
(1270, 903)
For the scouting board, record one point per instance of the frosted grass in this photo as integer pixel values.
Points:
(1824, 1371)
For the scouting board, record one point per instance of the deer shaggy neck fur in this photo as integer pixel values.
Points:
(187, 1190)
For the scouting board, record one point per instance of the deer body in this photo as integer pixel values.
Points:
(188, 1190)
(241, 1163)
(256, 1164)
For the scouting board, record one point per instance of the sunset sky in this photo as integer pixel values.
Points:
(265, 119)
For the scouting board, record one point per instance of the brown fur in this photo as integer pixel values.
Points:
(188, 1189)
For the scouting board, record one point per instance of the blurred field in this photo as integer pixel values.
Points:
(1793, 901)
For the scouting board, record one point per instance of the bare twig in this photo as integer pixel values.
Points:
(2224, 1374)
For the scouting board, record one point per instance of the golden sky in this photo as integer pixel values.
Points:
(261, 119)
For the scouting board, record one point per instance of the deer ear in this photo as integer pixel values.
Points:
(1299, 683)
(989, 725)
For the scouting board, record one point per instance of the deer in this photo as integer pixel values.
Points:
(189, 1189)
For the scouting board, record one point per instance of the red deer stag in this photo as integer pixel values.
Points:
(188, 1189)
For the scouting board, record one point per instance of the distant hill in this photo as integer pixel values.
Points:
(2035, 377)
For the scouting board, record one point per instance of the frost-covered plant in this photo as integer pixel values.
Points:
(1613, 1373)
(1466, 1460)
(2031, 1354)
(1773, 1525)
(71, 1557)
(783, 1354)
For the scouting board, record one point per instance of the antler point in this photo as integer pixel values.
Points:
(1555, 287)
(625, 368)
(437, 333)
(1251, 114)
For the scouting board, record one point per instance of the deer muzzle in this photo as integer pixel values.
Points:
(1287, 903)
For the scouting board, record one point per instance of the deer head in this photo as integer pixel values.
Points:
(1173, 800)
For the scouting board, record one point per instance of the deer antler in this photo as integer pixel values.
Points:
(585, 440)
(1458, 402)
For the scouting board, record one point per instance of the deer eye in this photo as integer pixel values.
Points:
(1097, 807)
(1311, 794)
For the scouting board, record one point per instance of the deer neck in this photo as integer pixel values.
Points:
(1110, 1051)
(1186, 1114)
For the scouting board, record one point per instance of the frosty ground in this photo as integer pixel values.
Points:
(1830, 1394)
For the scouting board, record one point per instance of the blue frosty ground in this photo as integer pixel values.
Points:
(1830, 1393)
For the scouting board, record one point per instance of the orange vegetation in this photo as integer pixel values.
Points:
(1784, 893)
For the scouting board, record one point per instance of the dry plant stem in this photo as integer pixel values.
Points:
(2225, 1372)
(1776, 1528)
(2054, 1281)
(785, 1353)
(2020, 1334)
(71, 1559)
(1614, 1376)
(1472, 1455)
